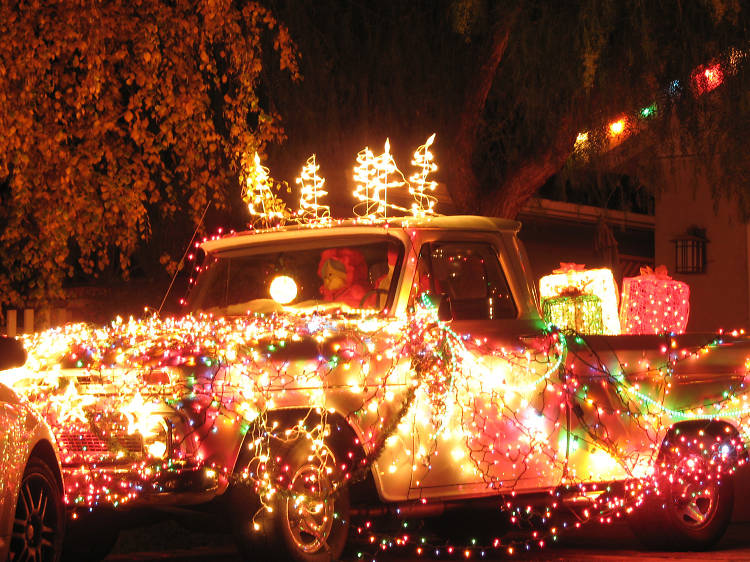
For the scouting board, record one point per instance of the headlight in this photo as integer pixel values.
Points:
(157, 437)
(283, 289)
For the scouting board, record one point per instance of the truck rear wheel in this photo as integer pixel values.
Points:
(691, 505)
(309, 517)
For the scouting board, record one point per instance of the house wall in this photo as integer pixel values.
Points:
(719, 297)
(555, 232)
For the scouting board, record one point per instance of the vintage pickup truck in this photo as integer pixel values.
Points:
(407, 357)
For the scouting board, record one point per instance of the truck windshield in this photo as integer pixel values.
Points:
(312, 273)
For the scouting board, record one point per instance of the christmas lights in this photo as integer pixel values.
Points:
(705, 78)
(375, 176)
(407, 399)
(653, 303)
(311, 190)
(616, 128)
(573, 280)
(582, 313)
(479, 403)
(419, 186)
(258, 192)
(582, 142)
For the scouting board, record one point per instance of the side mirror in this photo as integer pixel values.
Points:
(445, 308)
(442, 303)
(12, 353)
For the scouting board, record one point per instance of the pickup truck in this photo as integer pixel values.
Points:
(406, 358)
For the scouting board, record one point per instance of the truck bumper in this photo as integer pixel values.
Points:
(125, 485)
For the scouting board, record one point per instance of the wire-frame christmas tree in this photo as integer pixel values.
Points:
(374, 177)
(311, 192)
(258, 191)
(419, 186)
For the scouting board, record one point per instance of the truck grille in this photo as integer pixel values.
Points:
(91, 443)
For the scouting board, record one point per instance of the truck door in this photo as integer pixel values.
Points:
(489, 421)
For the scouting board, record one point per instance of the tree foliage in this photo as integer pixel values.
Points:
(117, 116)
(507, 85)
(120, 118)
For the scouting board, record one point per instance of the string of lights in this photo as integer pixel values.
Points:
(115, 382)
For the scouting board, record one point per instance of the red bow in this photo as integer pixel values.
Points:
(660, 272)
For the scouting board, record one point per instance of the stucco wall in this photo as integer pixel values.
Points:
(719, 297)
(550, 242)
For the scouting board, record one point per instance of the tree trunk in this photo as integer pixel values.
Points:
(520, 184)
(463, 184)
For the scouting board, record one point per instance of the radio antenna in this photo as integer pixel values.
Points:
(181, 264)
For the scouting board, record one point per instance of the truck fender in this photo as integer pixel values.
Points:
(715, 430)
(342, 438)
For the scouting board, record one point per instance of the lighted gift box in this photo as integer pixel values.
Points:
(574, 279)
(582, 313)
(653, 303)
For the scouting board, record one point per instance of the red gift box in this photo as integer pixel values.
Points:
(654, 303)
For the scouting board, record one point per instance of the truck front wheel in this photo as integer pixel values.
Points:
(307, 521)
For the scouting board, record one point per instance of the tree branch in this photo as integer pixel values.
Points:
(463, 184)
(522, 182)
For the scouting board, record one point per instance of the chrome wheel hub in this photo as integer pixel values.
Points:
(310, 510)
(694, 492)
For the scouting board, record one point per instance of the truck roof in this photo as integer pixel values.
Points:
(349, 226)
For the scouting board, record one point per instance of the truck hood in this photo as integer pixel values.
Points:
(139, 368)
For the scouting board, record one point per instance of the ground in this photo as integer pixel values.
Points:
(169, 542)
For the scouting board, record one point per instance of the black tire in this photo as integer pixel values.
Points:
(39, 520)
(90, 536)
(311, 530)
(691, 505)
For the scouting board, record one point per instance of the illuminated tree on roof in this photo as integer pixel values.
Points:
(312, 193)
(260, 192)
(420, 187)
(375, 177)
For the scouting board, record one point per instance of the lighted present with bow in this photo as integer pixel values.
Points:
(567, 303)
(582, 313)
(653, 303)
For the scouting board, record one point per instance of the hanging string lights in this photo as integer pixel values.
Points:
(704, 79)
(485, 406)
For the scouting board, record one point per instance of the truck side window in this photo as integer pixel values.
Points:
(471, 275)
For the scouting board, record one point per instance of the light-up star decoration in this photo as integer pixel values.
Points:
(374, 176)
(311, 192)
(258, 192)
(419, 186)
